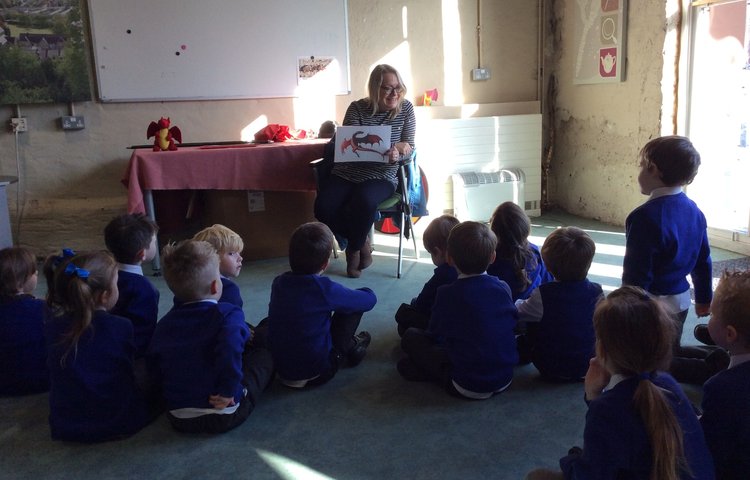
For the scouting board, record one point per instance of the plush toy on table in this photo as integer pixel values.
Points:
(164, 135)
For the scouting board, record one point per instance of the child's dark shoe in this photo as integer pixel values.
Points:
(701, 334)
(358, 352)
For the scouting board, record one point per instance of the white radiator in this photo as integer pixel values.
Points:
(477, 194)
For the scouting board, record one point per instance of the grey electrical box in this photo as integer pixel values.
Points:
(73, 122)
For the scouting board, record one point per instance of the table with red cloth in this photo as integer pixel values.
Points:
(263, 167)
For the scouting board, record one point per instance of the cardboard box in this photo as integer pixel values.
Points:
(265, 232)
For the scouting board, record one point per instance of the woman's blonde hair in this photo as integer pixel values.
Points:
(634, 335)
(373, 88)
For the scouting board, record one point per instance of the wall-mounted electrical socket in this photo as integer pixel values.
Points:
(72, 122)
(480, 74)
(18, 124)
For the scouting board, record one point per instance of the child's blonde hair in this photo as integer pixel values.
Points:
(634, 336)
(436, 233)
(189, 268)
(222, 238)
(17, 265)
(78, 284)
(512, 227)
(731, 303)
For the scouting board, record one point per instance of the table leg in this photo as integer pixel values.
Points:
(6, 236)
(148, 200)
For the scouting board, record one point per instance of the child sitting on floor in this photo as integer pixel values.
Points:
(312, 320)
(132, 240)
(229, 245)
(469, 347)
(726, 395)
(211, 377)
(93, 393)
(639, 423)
(435, 239)
(559, 336)
(23, 356)
(518, 261)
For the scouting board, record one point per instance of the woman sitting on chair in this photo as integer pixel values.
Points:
(348, 201)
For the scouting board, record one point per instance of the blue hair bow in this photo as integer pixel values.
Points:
(66, 253)
(72, 270)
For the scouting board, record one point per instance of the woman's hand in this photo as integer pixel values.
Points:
(393, 155)
(403, 148)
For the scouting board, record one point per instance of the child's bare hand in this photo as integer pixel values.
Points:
(703, 309)
(597, 377)
(219, 402)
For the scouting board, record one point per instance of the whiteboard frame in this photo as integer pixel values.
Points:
(156, 50)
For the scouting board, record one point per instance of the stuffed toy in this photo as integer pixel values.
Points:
(164, 136)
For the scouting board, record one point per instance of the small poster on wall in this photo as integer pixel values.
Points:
(44, 43)
(600, 41)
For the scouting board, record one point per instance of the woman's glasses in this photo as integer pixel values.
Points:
(389, 90)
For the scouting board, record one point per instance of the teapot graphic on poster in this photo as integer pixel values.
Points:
(608, 62)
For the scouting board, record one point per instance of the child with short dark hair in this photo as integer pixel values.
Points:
(726, 395)
(469, 347)
(93, 393)
(23, 355)
(229, 245)
(132, 240)
(665, 241)
(435, 239)
(559, 336)
(639, 422)
(211, 377)
(518, 261)
(312, 320)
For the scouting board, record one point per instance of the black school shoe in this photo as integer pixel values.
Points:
(359, 350)
(701, 334)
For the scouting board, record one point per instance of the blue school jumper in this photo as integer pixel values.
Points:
(615, 442)
(565, 338)
(138, 302)
(666, 240)
(197, 352)
(299, 321)
(535, 271)
(23, 355)
(442, 275)
(93, 396)
(230, 293)
(474, 318)
(726, 421)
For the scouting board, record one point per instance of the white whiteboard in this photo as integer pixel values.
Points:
(216, 49)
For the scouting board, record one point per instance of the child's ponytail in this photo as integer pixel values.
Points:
(635, 335)
(664, 432)
(77, 286)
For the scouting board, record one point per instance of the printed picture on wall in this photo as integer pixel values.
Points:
(42, 52)
(600, 41)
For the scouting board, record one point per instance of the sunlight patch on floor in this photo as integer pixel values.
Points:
(288, 469)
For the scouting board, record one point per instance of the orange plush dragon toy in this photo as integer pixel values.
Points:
(164, 135)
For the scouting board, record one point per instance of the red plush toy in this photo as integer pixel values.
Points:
(164, 136)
